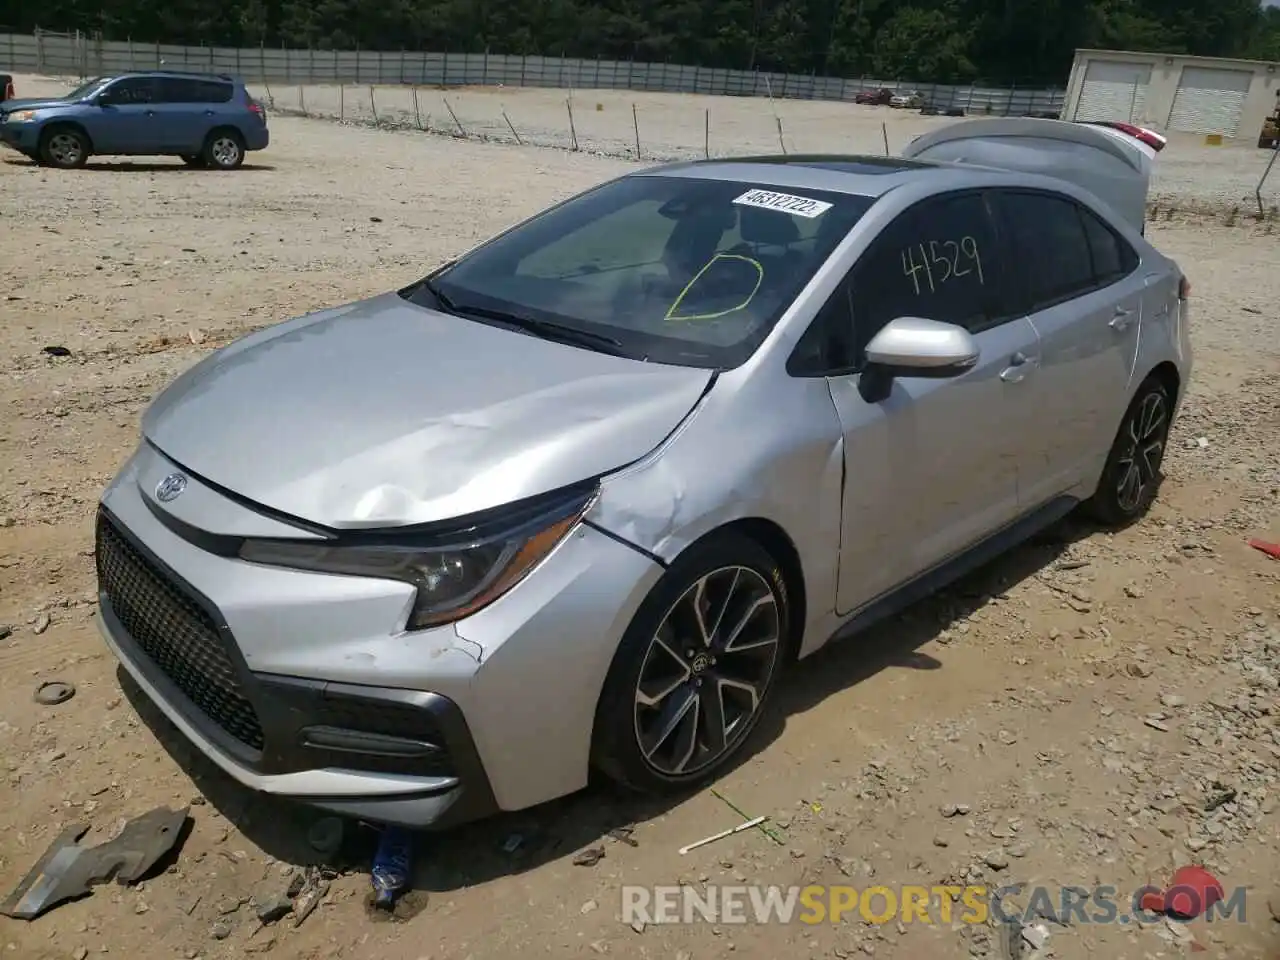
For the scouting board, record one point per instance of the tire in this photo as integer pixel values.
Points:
(193, 160)
(223, 150)
(1131, 478)
(665, 661)
(64, 147)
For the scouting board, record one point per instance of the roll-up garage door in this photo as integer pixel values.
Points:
(1210, 100)
(1113, 90)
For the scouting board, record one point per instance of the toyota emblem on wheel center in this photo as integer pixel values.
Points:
(171, 487)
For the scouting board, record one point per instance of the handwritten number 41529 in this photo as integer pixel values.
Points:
(941, 261)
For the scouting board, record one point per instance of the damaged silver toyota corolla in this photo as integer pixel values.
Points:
(575, 499)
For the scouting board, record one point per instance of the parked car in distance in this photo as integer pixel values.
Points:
(574, 500)
(7, 91)
(207, 120)
(879, 97)
(912, 100)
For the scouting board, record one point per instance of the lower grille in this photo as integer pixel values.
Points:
(175, 632)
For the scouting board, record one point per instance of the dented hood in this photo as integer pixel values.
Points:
(383, 413)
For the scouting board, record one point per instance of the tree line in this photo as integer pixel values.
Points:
(1028, 42)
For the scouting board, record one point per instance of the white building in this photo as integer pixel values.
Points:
(1173, 93)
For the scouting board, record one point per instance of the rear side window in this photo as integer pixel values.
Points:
(181, 90)
(1048, 236)
(1063, 250)
(1113, 258)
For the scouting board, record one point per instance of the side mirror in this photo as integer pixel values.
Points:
(915, 347)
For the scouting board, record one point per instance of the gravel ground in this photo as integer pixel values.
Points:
(1190, 174)
(1093, 708)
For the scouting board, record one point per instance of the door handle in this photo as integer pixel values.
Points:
(151, 113)
(208, 113)
(1122, 318)
(1019, 366)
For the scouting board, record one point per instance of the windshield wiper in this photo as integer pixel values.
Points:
(546, 329)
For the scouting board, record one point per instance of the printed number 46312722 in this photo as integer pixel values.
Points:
(941, 261)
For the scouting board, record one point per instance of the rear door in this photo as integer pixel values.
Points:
(1084, 294)
(183, 112)
(933, 468)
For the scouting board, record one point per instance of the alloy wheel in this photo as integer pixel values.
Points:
(225, 151)
(1139, 464)
(65, 149)
(706, 671)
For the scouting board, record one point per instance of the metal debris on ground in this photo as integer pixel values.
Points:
(623, 835)
(392, 867)
(589, 857)
(53, 692)
(722, 834)
(68, 870)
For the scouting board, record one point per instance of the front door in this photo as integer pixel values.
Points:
(124, 120)
(1085, 297)
(933, 468)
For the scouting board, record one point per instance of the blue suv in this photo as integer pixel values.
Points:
(207, 120)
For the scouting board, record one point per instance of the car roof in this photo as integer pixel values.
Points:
(176, 74)
(853, 174)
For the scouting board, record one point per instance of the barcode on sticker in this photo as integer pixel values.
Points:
(784, 202)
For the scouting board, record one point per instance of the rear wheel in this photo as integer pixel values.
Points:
(1131, 477)
(64, 147)
(694, 670)
(223, 150)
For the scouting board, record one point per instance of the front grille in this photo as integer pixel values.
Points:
(175, 632)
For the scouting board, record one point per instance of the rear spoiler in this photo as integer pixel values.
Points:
(1109, 161)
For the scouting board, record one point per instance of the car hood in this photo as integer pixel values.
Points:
(383, 413)
(8, 106)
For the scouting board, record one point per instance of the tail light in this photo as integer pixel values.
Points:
(1149, 137)
(10, 93)
(1184, 288)
(256, 109)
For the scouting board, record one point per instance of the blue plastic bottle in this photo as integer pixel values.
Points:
(392, 867)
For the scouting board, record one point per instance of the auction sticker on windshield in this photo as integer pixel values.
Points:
(784, 202)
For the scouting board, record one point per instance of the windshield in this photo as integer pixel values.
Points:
(675, 270)
(82, 91)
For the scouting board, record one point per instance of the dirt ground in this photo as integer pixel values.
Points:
(1092, 709)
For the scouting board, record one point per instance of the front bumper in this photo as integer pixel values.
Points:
(304, 685)
(23, 137)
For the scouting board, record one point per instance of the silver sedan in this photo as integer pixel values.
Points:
(575, 500)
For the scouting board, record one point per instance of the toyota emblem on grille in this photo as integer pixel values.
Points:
(171, 487)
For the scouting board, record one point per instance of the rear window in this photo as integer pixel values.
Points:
(182, 90)
(679, 270)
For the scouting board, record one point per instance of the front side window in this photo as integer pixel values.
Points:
(130, 90)
(675, 270)
(85, 89)
(938, 261)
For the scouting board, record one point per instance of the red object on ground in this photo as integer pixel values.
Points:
(1193, 891)
(1272, 550)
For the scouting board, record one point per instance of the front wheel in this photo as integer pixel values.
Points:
(224, 150)
(65, 148)
(695, 668)
(1131, 477)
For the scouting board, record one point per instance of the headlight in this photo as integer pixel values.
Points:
(453, 579)
(22, 116)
